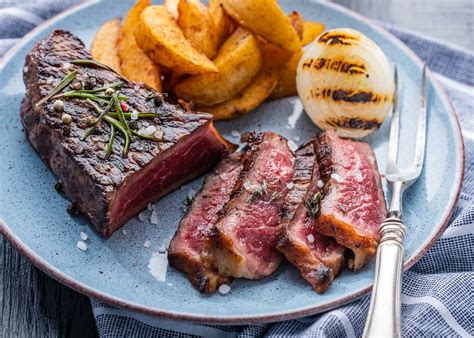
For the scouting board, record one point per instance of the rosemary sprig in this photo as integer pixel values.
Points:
(96, 64)
(60, 86)
(129, 115)
(122, 119)
(99, 119)
(113, 85)
(312, 205)
(120, 128)
(84, 95)
(108, 151)
(254, 195)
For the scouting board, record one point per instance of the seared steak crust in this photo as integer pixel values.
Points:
(109, 192)
(319, 258)
(353, 206)
(246, 239)
(189, 250)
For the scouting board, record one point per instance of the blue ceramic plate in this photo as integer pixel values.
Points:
(118, 271)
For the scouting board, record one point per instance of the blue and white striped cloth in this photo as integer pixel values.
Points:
(438, 291)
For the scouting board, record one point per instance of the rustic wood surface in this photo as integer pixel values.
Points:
(34, 305)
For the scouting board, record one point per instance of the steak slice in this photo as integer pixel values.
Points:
(353, 206)
(246, 238)
(189, 250)
(318, 258)
(111, 191)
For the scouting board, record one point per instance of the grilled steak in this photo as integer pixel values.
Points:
(353, 206)
(319, 258)
(246, 238)
(111, 191)
(189, 250)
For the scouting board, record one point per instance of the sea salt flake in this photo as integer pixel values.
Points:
(154, 217)
(296, 138)
(124, 231)
(310, 238)
(150, 206)
(289, 185)
(338, 178)
(142, 216)
(158, 265)
(81, 245)
(147, 244)
(161, 249)
(235, 133)
(150, 130)
(84, 236)
(320, 184)
(134, 115)
(49, 80)
(224, 289)
(293, 146)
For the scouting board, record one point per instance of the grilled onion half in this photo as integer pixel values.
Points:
(345, 83)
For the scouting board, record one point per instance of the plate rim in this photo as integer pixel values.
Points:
(90, 291)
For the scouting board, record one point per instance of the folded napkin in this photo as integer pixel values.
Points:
(437, 292)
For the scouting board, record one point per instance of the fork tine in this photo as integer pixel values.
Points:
(421, 131)
(394, 129)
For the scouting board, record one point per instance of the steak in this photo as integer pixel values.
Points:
(246, 233)
(318, 258)
(353, 204)
(189, 250)
(111, 191)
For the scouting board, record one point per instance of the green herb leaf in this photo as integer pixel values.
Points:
(60, 86)
(101, 113)
(254, 195)
(124, 123)
(93, 63)
(146, 137)
(113, 85)
(122, 130)
(312, 205)
(108, 151)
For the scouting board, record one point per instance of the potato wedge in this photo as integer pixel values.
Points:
(135, 64)
(274, 64)
(287, 84)
(238, 62)
(311, 31)
(198, 26)
(223, 23)
(265, 18)
(172, 7)
(104, 45)
(158, 34)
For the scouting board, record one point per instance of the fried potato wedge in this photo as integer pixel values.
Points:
(287, 84)
(238, 62)
(135, 64)
(158, 34)
(265, 18)
(198, 26)
(224, 26)
(104, 45)
(274, 64)
(311, 31)
(172, 7)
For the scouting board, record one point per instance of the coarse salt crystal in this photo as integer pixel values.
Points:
(134, 115)
(66, 66)
(147, 244)
(310, 238)
(289, 185)
(84, 236)
(296, 138)
(161, 249)
(337, 177)
(25, 69)
(293, 146)
(320, 184)
(124, 231)
(81, 245)
(235, 133)
(224, 289)
(150, 206)
(49, 80)
(158, 266)
(136, 88)
(150, 130)
(154, 217)
(142, 216)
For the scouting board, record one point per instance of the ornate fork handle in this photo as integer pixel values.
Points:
(384, 312)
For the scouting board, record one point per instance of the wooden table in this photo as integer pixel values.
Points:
(33, 304)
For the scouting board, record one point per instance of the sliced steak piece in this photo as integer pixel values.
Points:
(111, 191)
(246, 239)
(189, 250)
(318, 258)
(353, 206)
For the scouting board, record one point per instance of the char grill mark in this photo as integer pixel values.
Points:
(189, 250)
(246, 233)
(109, 192)
(318, 258)
(353, 205)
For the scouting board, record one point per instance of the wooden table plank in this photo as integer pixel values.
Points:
(34, 305)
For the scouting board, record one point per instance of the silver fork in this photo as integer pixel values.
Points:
(384, 311)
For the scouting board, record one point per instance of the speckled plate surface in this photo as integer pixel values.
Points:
(117, 270)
